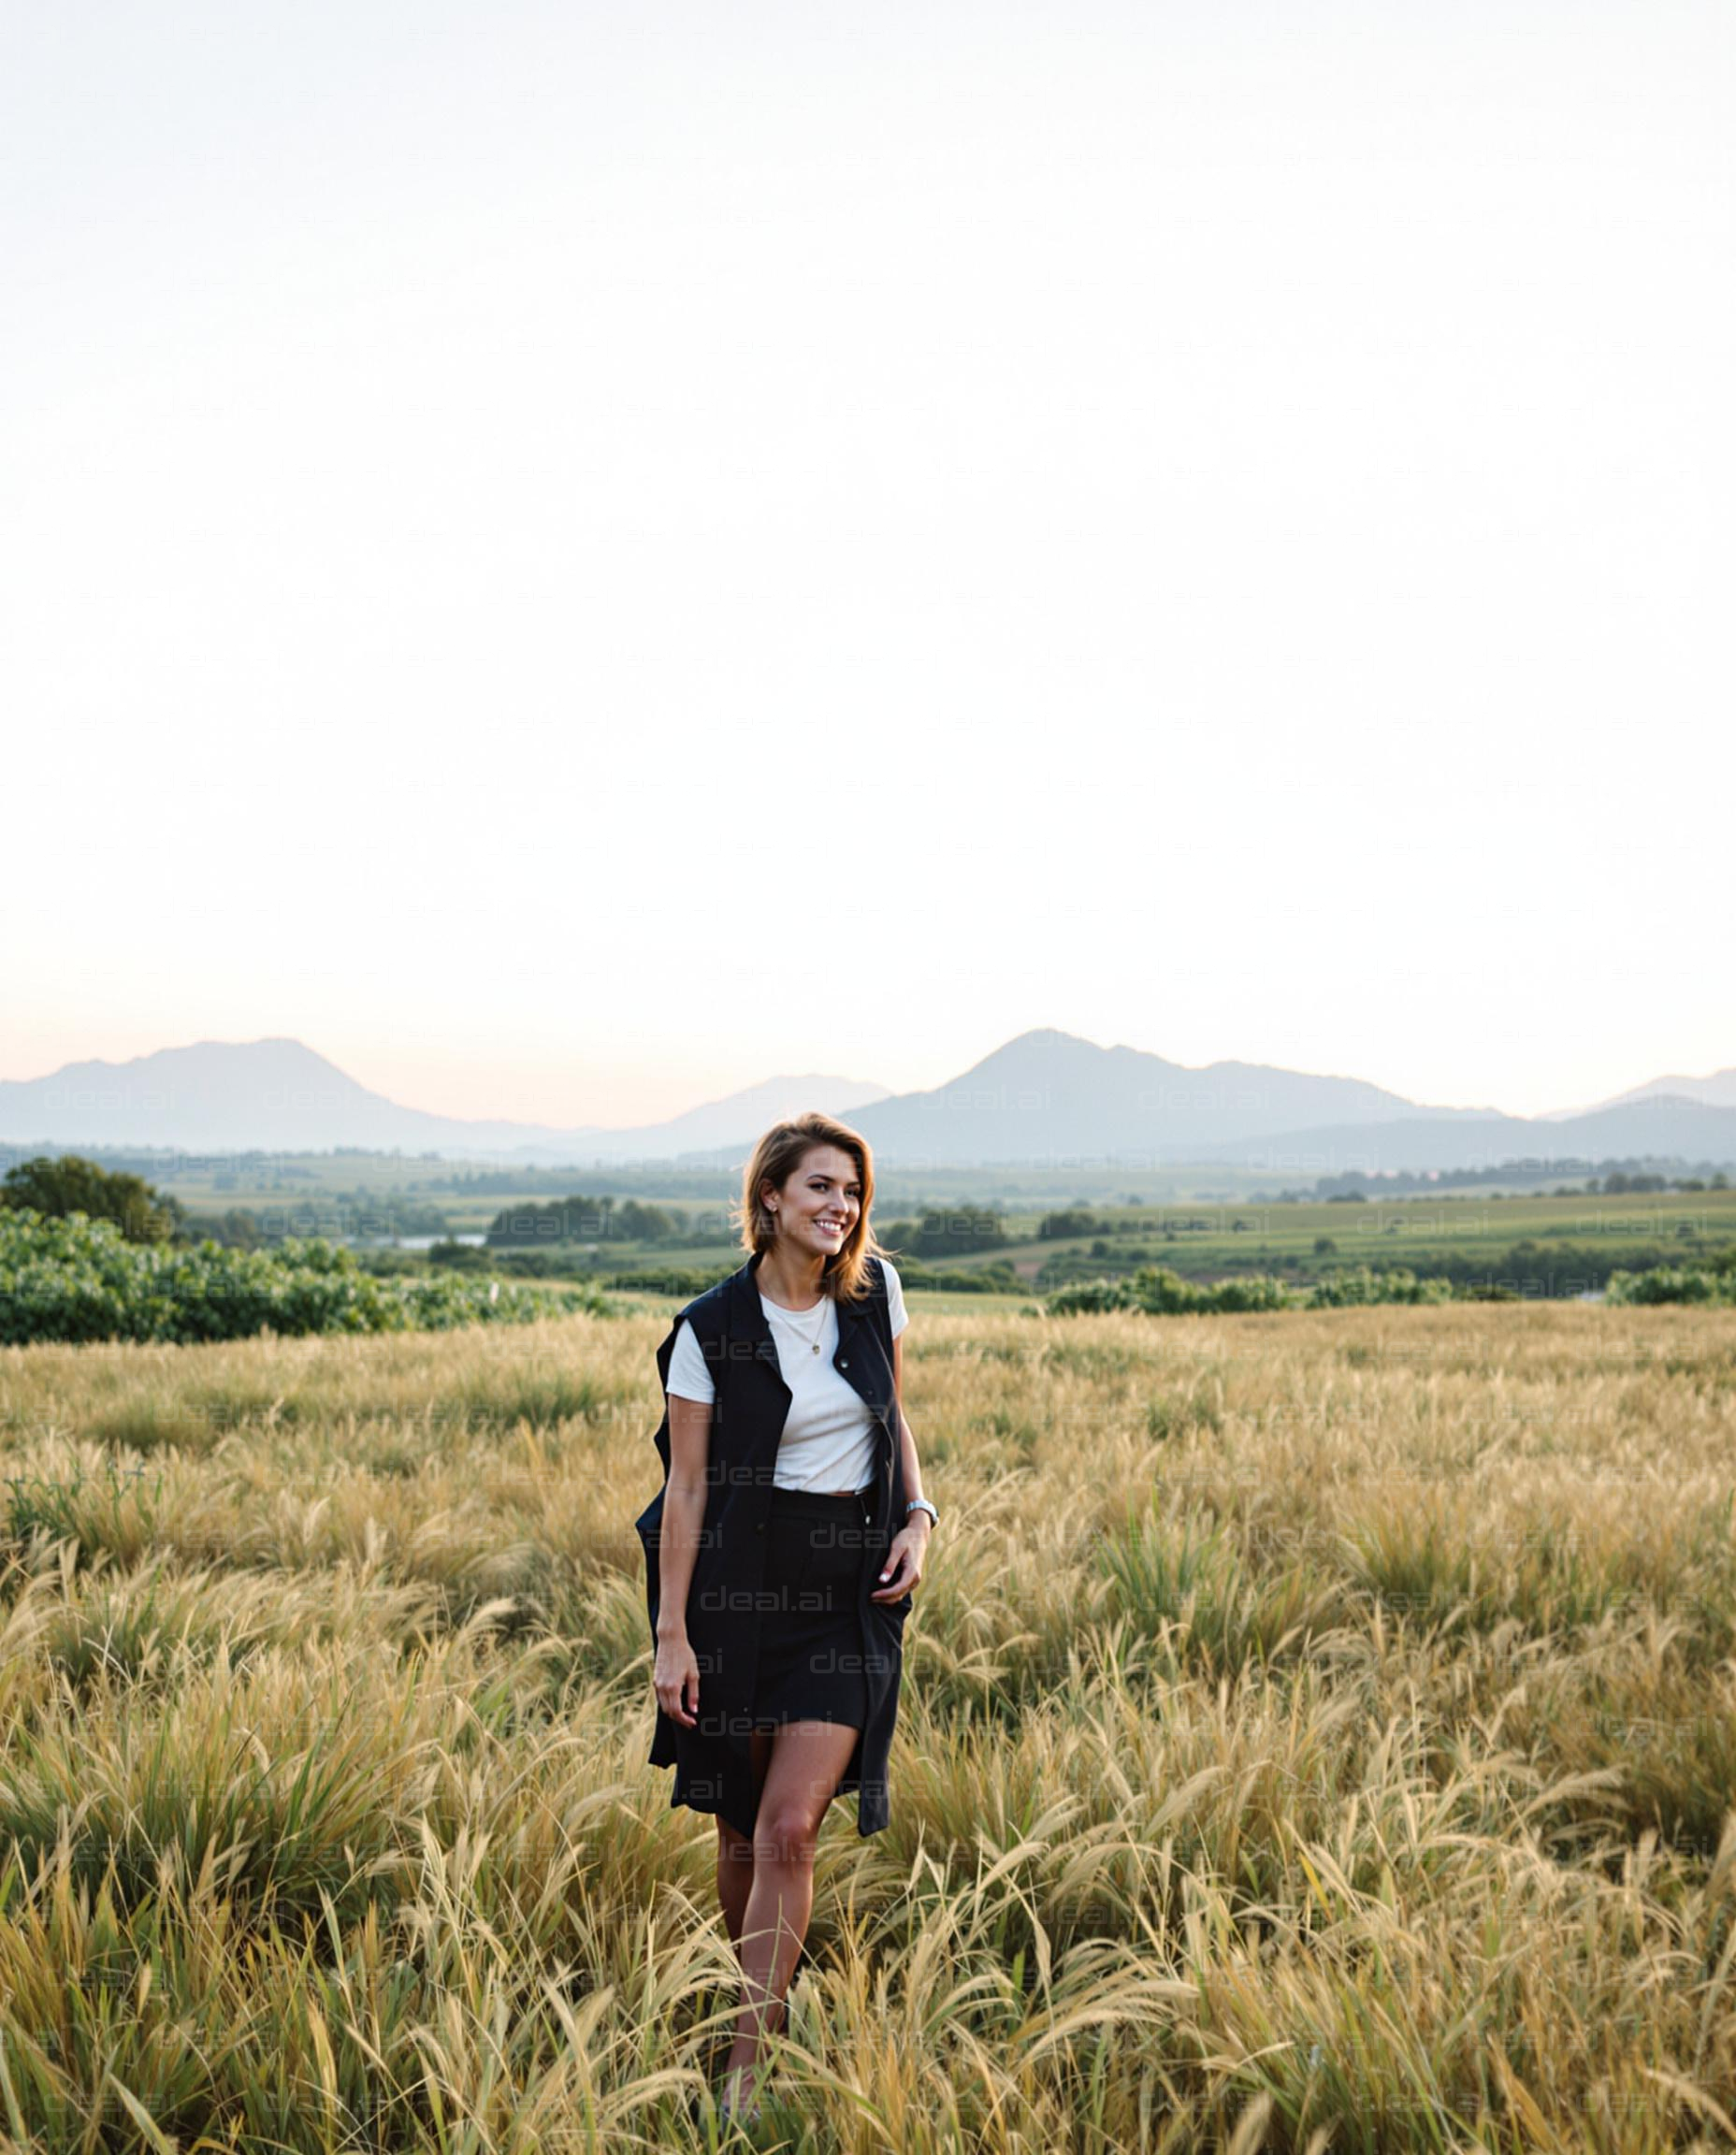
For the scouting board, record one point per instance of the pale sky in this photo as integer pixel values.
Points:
(576, 556)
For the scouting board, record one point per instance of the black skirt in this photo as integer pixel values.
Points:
(811, 1653)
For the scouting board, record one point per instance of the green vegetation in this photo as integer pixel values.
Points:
(57, 1188)
(81, 1280)
(999, 1276)
(670, 1231)
(1714, 1282)
(947, 1230)
(1549, 1247)
(354, 1212)
(602, 1219)
(1160, 1292)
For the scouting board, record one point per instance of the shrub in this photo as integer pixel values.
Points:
(78, 1280)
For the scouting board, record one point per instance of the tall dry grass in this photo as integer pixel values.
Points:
(1318, 1731)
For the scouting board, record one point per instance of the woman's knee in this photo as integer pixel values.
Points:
(787, 1829)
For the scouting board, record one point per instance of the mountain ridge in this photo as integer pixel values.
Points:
(1044, 1096)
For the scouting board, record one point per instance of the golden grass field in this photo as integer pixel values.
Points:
(1318, 1731)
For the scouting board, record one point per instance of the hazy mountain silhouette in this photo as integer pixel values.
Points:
(1657, 1128)
(281, 1096)
(1049, 1095)
(1046, 1097)
(1717, 1091)
(1051, 1098)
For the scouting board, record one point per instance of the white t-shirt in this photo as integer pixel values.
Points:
(828, 1441)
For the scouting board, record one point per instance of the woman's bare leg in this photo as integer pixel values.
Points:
(735, 1851)
(808, 1759)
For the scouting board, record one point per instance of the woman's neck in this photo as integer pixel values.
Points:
(794, 1281)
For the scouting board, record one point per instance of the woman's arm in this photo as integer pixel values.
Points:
(684, 1511)
(910, 1538)
(676, 1677)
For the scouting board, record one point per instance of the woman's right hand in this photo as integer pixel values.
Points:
(676, 1681)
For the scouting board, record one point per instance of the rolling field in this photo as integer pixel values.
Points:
(1318, 1731)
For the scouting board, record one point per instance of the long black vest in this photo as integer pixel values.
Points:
(714, 1761)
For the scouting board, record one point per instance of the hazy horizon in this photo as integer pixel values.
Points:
(850, 1078)
(574, 559)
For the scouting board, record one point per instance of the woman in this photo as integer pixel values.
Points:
(783, 1547)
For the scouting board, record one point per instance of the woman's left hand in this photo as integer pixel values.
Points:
(903, 1561)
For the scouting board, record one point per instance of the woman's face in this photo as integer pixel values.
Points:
(818, 1206)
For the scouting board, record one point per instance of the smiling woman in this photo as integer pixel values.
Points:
(783, 1547)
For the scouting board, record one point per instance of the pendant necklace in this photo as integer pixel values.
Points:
(801, 1330)
(790, 1315)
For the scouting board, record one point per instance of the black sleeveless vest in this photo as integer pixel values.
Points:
(712, 1761)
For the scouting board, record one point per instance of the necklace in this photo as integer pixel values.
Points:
(801, 1331)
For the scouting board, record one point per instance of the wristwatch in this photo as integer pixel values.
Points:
(922, 1504)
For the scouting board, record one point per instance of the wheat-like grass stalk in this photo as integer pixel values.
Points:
(1317, 1733)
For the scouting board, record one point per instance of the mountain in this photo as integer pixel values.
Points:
(1717, 1090)
(1650, 1129)
(1049, 1096)
(1044, 1099)
(281, 1096)
(1052, 1099)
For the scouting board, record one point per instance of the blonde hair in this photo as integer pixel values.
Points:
(775, 1158)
